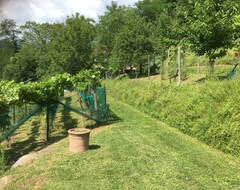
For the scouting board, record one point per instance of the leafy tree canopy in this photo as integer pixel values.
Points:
(211, 29)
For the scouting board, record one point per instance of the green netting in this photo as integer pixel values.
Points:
(53, 109)
(232, 73)
(88, 99)
(17, 112)
(101, 103)
(95, 109)
(14, 121)
(95, 102)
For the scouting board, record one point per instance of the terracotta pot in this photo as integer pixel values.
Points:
(78, 139)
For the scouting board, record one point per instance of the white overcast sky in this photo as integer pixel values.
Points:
(54, 10)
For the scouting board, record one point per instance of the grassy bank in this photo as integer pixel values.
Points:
(137, 152)
(209, 111)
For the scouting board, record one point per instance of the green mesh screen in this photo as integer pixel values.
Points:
(101, 104)
(95, 102)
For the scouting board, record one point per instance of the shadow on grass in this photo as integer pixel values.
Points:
(217, 78)
(35, 138)
(68, 121)
(222, 78)
(111, 119)
(201, 80)
(94, 147)
(20, 148)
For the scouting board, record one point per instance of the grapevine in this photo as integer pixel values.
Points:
(41, 92)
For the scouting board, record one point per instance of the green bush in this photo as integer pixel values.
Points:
(228, 59)
(208, 111)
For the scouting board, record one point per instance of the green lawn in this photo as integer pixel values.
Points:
(138, 152)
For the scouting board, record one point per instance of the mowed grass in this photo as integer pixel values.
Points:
(31, 135)
(137, 152)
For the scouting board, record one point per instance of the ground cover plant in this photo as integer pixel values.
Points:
(137, 152)
(208, 111)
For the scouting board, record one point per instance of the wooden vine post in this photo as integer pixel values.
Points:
(148, 67)
(47, 123)
(198, 66)
(95, 98)
(167, 63)
(179, 65)
(14, 114)
(26, 109)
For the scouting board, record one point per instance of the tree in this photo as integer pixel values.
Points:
(132, 43)
(49, 49)
(106, 30)
(8, 30)
(39, 37)
(8, 42)
(6, 52)
(22, 68)
(151, 9)
(31, 61)
(71, 45)
(211, 29)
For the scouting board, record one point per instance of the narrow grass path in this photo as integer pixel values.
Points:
(138, 152)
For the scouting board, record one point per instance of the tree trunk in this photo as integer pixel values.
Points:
(211, 67)
(167, 63)
(148, 67)
(140, 69)
(179, 65)
(198, 66)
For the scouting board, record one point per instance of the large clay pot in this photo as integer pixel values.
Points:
(78, 139)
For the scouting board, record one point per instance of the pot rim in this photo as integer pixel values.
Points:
(81, 131)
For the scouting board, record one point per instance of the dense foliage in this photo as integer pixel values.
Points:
(122, 39)
(50, 49)
(41, 92)
(46, 90)
(212, 28)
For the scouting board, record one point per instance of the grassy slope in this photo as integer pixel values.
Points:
(208, 111)
(31, 135)
(137, 153)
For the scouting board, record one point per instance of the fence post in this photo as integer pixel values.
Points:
(14, 114)
(198, 66)
(47, 123)
(26, 110)
(148, 67)
(179, 66)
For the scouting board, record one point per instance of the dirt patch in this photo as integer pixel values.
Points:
(38, 182)
(4, 181)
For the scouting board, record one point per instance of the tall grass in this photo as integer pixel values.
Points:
(209, 111)
(2, 159)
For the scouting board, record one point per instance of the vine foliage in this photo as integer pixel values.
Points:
(41, 92)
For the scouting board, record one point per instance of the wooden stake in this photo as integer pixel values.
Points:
(14, 114)
(148, 67)
(198, 66)
(179, 66)
(47, 123)
(167, 62)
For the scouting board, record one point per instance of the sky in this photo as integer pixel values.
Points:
(53, 10)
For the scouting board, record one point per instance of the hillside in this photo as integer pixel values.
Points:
(206, 110)
(134, 152)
